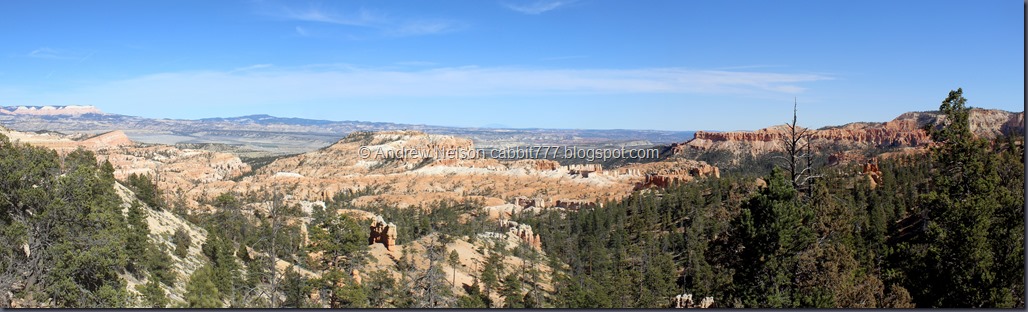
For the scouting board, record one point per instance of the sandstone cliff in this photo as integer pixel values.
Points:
(904, 131)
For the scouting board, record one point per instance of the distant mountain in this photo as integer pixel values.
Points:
(72, 110)
(260, 135)
(270, 120)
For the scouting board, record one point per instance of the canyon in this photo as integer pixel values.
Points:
(374, 166)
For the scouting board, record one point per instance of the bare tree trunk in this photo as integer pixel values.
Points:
(796, 143)
(274, 242)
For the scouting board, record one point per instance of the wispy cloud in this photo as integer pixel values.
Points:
(566, 57)
(749, 67)
(417, 63)
(538, 6)
(248, 68)
(267, 85)
(362, 17)
(55, 54)
(425, 27)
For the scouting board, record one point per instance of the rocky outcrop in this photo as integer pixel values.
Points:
(705, 171)
(575, 204)
(874, 175)
(383, 233)
(522, 232)
(663, 174)
(684, 301)
(526, 202)
(663, 181)
(585, 170)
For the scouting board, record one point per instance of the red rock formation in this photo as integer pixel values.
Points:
(382, 232)
(662, 181)
(873, 174)
(904, 131)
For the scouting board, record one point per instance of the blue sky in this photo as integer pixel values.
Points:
(597, 64)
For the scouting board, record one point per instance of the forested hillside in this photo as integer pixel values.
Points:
(941, 231)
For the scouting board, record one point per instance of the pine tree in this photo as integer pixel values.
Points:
(296, 288)
(961, 212)
(201, 290)
(152, 294)
(182, 241)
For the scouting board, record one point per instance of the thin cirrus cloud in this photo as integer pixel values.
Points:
(362, 18)
(269, 85)
(55, 54)
(537, 7)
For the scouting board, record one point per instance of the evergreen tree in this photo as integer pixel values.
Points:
(774, 226)
(296, 288)
(961, 213)
(152, 294)
(202, 291)
(182, 241)
(511, 292)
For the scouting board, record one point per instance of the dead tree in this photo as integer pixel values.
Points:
(798, 154)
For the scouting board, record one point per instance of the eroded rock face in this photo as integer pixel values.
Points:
(874, 175)
(191, 175)
(342, 167)
(663, 174)
(522, 232)
(383, 233)
(904, 131)
(663, 181)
